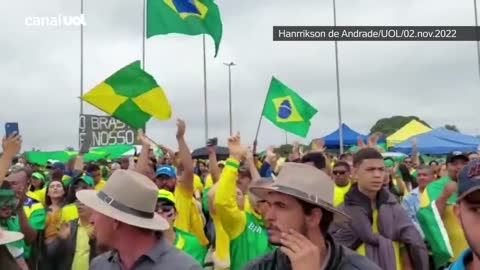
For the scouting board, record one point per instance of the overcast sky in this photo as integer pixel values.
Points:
(40, 67)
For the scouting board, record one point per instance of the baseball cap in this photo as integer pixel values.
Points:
(456, 154)
(388, 162)
(59, 166)
(468, 179)
(164, 194)
(166, 170)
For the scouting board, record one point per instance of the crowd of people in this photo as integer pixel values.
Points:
(308, 211)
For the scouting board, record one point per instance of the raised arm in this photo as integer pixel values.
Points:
(186, 162)
(212, 164)
(232, 218)
(143, 159)
(11, 146)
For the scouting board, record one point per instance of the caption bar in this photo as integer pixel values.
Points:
(376, 33)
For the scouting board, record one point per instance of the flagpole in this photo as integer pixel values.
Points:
(476, 33)
(339, 103)
(205, 88)
(143, 33)
(259, 124)
(81, 60)
(81, 68)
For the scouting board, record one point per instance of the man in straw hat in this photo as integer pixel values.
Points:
(299, 214)
(7, 262)
(125, 220)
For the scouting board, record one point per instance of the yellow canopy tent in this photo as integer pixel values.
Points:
(412, 128)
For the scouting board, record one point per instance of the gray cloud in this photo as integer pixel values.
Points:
(438, 81)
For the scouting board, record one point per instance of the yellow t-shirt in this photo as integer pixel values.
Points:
(69, 213)
(339, 194)
(396, 245)
(100, 185)
(221, 256)
(81, 257)
(209, 181)
(197, 183)
(189, 218)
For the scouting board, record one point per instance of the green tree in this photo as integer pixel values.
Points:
(388, 126)
(452, 128)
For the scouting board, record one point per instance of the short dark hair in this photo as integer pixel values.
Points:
(342, 163)
(92, 167)
(327, 216)
(366, 153)
(425, 167)
(344, 155)
(433, 161)
(317, 158)
(56, 175)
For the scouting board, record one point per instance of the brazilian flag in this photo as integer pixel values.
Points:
(131, 95)
(287, 110)
(189, 17)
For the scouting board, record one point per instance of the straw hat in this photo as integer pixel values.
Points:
(7, 237)
(129, 197)
(305, 183)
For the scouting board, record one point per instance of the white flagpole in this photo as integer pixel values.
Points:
(144, 33)
(339, 102)
(81, 69)
(476, 33)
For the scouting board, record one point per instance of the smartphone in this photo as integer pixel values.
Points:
(11, 128)
(212, 142)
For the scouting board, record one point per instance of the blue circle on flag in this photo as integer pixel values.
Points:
(285, 109)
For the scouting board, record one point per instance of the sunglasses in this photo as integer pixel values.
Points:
(165, 208)
(339, 172)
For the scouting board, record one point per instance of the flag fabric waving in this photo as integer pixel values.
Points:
(287, 110)
(189, 17)
(434, 226)
(131, 95)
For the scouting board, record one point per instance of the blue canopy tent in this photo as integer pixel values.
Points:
(439, 141)
(350, 137)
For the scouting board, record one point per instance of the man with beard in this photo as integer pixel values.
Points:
(300, 210)
(467, 211)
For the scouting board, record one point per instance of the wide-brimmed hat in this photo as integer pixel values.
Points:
(7, 237)
(129, 197)
(305, 183)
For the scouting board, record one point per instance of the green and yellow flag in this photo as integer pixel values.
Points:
(287, 110)
(131, 95)
(443, 233)
(189, 17)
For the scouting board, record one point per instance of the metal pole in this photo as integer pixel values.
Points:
(205, 89)
(476, 33)
(339, 102)
(229, 65)
(81, 60)
(144, 33)
(81, 71)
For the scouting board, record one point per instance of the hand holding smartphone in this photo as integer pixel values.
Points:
(212, 142)
(11, 128)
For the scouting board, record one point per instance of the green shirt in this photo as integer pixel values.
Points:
(13, 224)
(205, 200)
(250, 244)
(36, 216)
(189, 244)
